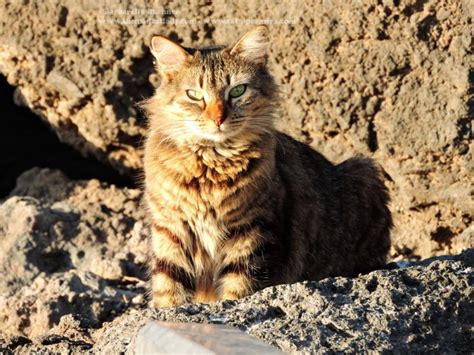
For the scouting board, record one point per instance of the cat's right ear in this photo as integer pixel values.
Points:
(169, 55)
(253, 45)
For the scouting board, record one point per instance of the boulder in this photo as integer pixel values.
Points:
(69, 248)
(427, 307)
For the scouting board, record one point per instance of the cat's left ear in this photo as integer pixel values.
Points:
(169, 55)
(253, 45)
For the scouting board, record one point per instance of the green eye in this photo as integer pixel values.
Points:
(194, 95)
(237, 91)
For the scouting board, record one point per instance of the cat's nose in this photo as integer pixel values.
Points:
(215, 112)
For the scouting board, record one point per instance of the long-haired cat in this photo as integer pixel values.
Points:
(235, 205)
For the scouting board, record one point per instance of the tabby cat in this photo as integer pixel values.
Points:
(235, 205)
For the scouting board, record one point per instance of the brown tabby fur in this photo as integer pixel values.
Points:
(251, 207)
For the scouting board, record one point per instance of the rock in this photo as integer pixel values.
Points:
(192, 338)
(63, 85)
(388, 79)
(68, 248)
(424, 308)
(41, 304)
(427, 307)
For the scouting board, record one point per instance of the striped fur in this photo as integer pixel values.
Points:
(242, 207)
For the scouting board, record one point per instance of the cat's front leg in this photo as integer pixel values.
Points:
(234, 284)
(172, 272)
(239, 265)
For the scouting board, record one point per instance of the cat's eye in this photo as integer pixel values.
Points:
(237, 91)
(194, 95)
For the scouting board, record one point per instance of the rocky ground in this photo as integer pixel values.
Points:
(390, 79)
(68, 248)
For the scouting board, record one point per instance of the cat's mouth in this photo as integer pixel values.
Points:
(218, 134)
(212, 132)
(218, 130)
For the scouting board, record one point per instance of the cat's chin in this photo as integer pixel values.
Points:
(220, 137)
(216, 137)
(209, 134)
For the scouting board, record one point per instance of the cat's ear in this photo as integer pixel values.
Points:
(253, 45)
(169, 55)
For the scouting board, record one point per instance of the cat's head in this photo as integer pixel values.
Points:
(213, 94)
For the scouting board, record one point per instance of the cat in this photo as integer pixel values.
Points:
(236, 206)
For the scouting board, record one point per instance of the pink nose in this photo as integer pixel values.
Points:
(215, 112)
(218, 121)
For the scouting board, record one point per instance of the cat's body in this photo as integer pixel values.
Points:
(253, 207)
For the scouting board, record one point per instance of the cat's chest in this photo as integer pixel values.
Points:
(209, 232)
(208, 228)
(204, 217)
(206, 182)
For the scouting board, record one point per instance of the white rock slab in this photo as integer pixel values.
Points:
(194, 338)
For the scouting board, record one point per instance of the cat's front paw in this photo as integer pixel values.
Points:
(234, 286)
(231, 296)
(205, 296)
(167, 292)
(167, 300)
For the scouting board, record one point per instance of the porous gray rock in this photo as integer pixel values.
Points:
(390, 79)
(427, 307)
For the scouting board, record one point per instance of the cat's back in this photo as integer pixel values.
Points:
(342, 208)
(301, 166)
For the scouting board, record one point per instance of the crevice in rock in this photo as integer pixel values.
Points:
(372, 284)
(17, 341)
(372, 137)
(470, 101)
(402, 72)
(442, 235)
(133, 89)
(422, 206)
(26, 142)
(209, 30)
(418, 6)
(425, 27)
